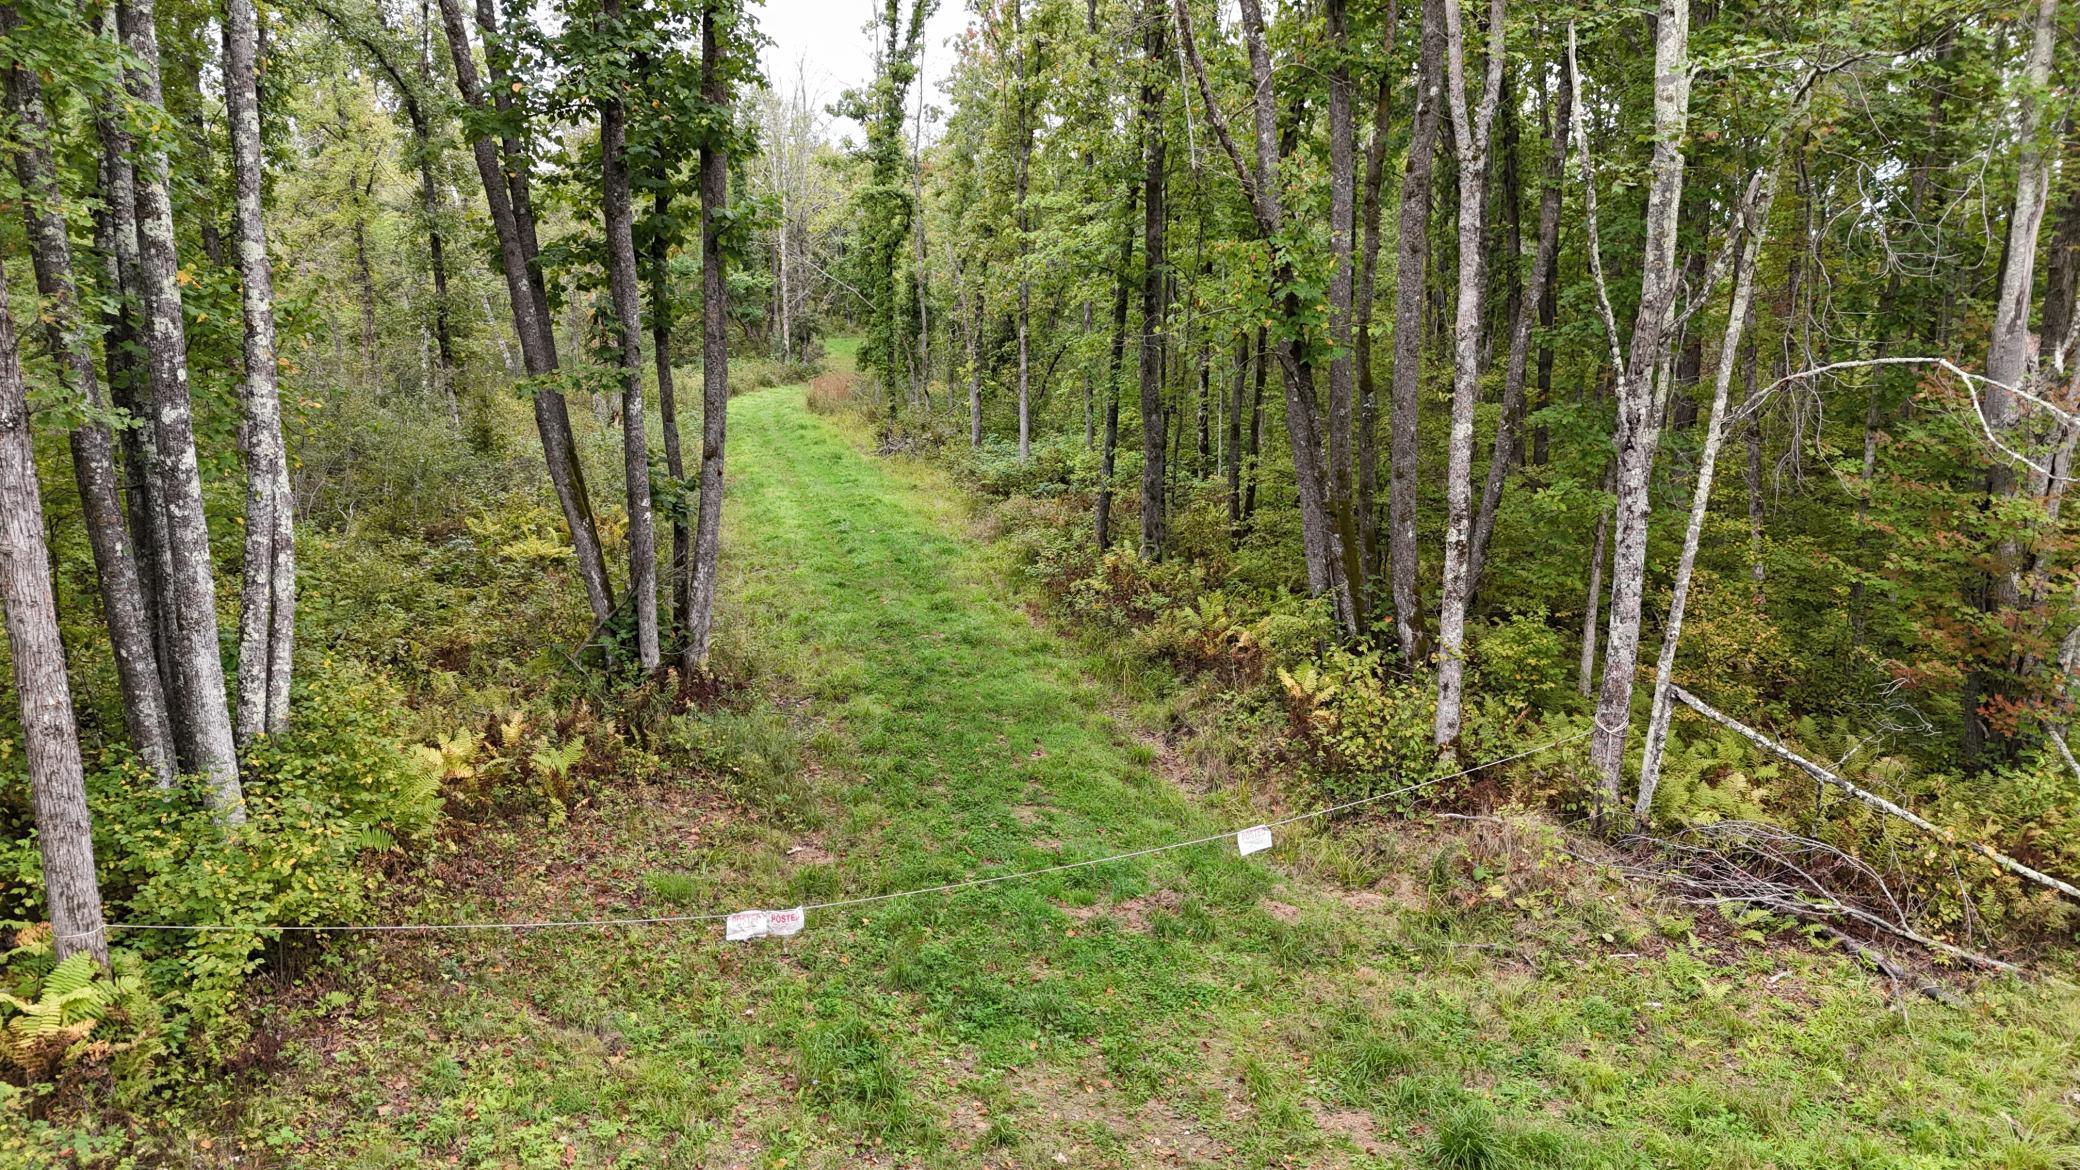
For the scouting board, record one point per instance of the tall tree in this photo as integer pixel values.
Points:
(513, 223)
(201, 713)
(1638, 422)
(267, 596)
(1154, 270)
(883, 204)
(612, 79)
(1471, 132)
(724, 63)
(57, 787)
(1412, 250)
(125, 606)
(1328, 572)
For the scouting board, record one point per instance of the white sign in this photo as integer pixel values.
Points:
(746, 924)
(1254, 839)
(781, 923)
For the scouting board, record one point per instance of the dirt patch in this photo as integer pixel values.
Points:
(1280, 910)
(1353, 1125)
(1131, 915)
(810, 852)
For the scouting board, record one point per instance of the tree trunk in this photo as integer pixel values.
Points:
(1368, 276)
(57, 788)
(677, 581)
(1755, 211)
(123, 600)
(115, 237)
(1342, 214)
(1255, 457)
(531, 322)
(1637, 429)
(1330, 573)
(1585, 680)
(1412, 251)
(1155, 212)
(2007, 369)
(1107, 451)
(1472, 132)
(1231, 447)
(975, 368)
(714, 195)
(1023, 225)
(201, 714)
(1544, 263)
(616, 201)
(267, 595)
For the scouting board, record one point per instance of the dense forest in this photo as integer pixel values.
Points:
(487, 492)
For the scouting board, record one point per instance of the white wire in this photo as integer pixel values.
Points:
(946, 888)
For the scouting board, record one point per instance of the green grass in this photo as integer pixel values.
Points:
(915, 727)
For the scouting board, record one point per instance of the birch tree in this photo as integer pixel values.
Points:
(1471, 132)
(267, 596)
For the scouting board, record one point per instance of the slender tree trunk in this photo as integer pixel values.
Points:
(1231, 448)
(201, 714)
(1585, 680)
(517, 166)
(1412, 251)
(923, 285)
(1543, 264)
(57, 787)
(1368, 276)
(531, 322)
(1023, 224)
(1342, 230)
(2008, 369)
(1154, 261)
(1637, 430)
(1121, 283)
(975, 368)
(617, 201)
(1755, 211)
(677, 580)
(123, 601)
(1330, 573)
(1255, 459)
(115, 237)
(714, 195)
(1472, 132)
(267, 596)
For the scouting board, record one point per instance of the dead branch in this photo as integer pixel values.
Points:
(1873, 799)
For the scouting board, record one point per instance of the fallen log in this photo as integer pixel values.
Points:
(1873, 799)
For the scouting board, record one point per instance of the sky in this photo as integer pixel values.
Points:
(825, 43)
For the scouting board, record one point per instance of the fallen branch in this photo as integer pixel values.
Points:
(1873, 799)
(1884, 965)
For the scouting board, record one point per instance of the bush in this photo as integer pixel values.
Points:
(1359, 731)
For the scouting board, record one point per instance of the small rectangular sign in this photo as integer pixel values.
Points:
(782, 923)
(745, 924)
(1254, 839)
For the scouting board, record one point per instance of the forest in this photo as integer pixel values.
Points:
(1355, 583)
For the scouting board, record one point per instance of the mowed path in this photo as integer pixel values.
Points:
(1192, 1008)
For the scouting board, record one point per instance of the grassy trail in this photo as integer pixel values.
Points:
(1188, 1009)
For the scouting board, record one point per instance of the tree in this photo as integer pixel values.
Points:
(512, 219)
(1471, 131)
(1638, 417)
(125, 606)
(64, 831)
(725, 63)
(609, 78)
(267, 597)
(201, 714)
(883, 203)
